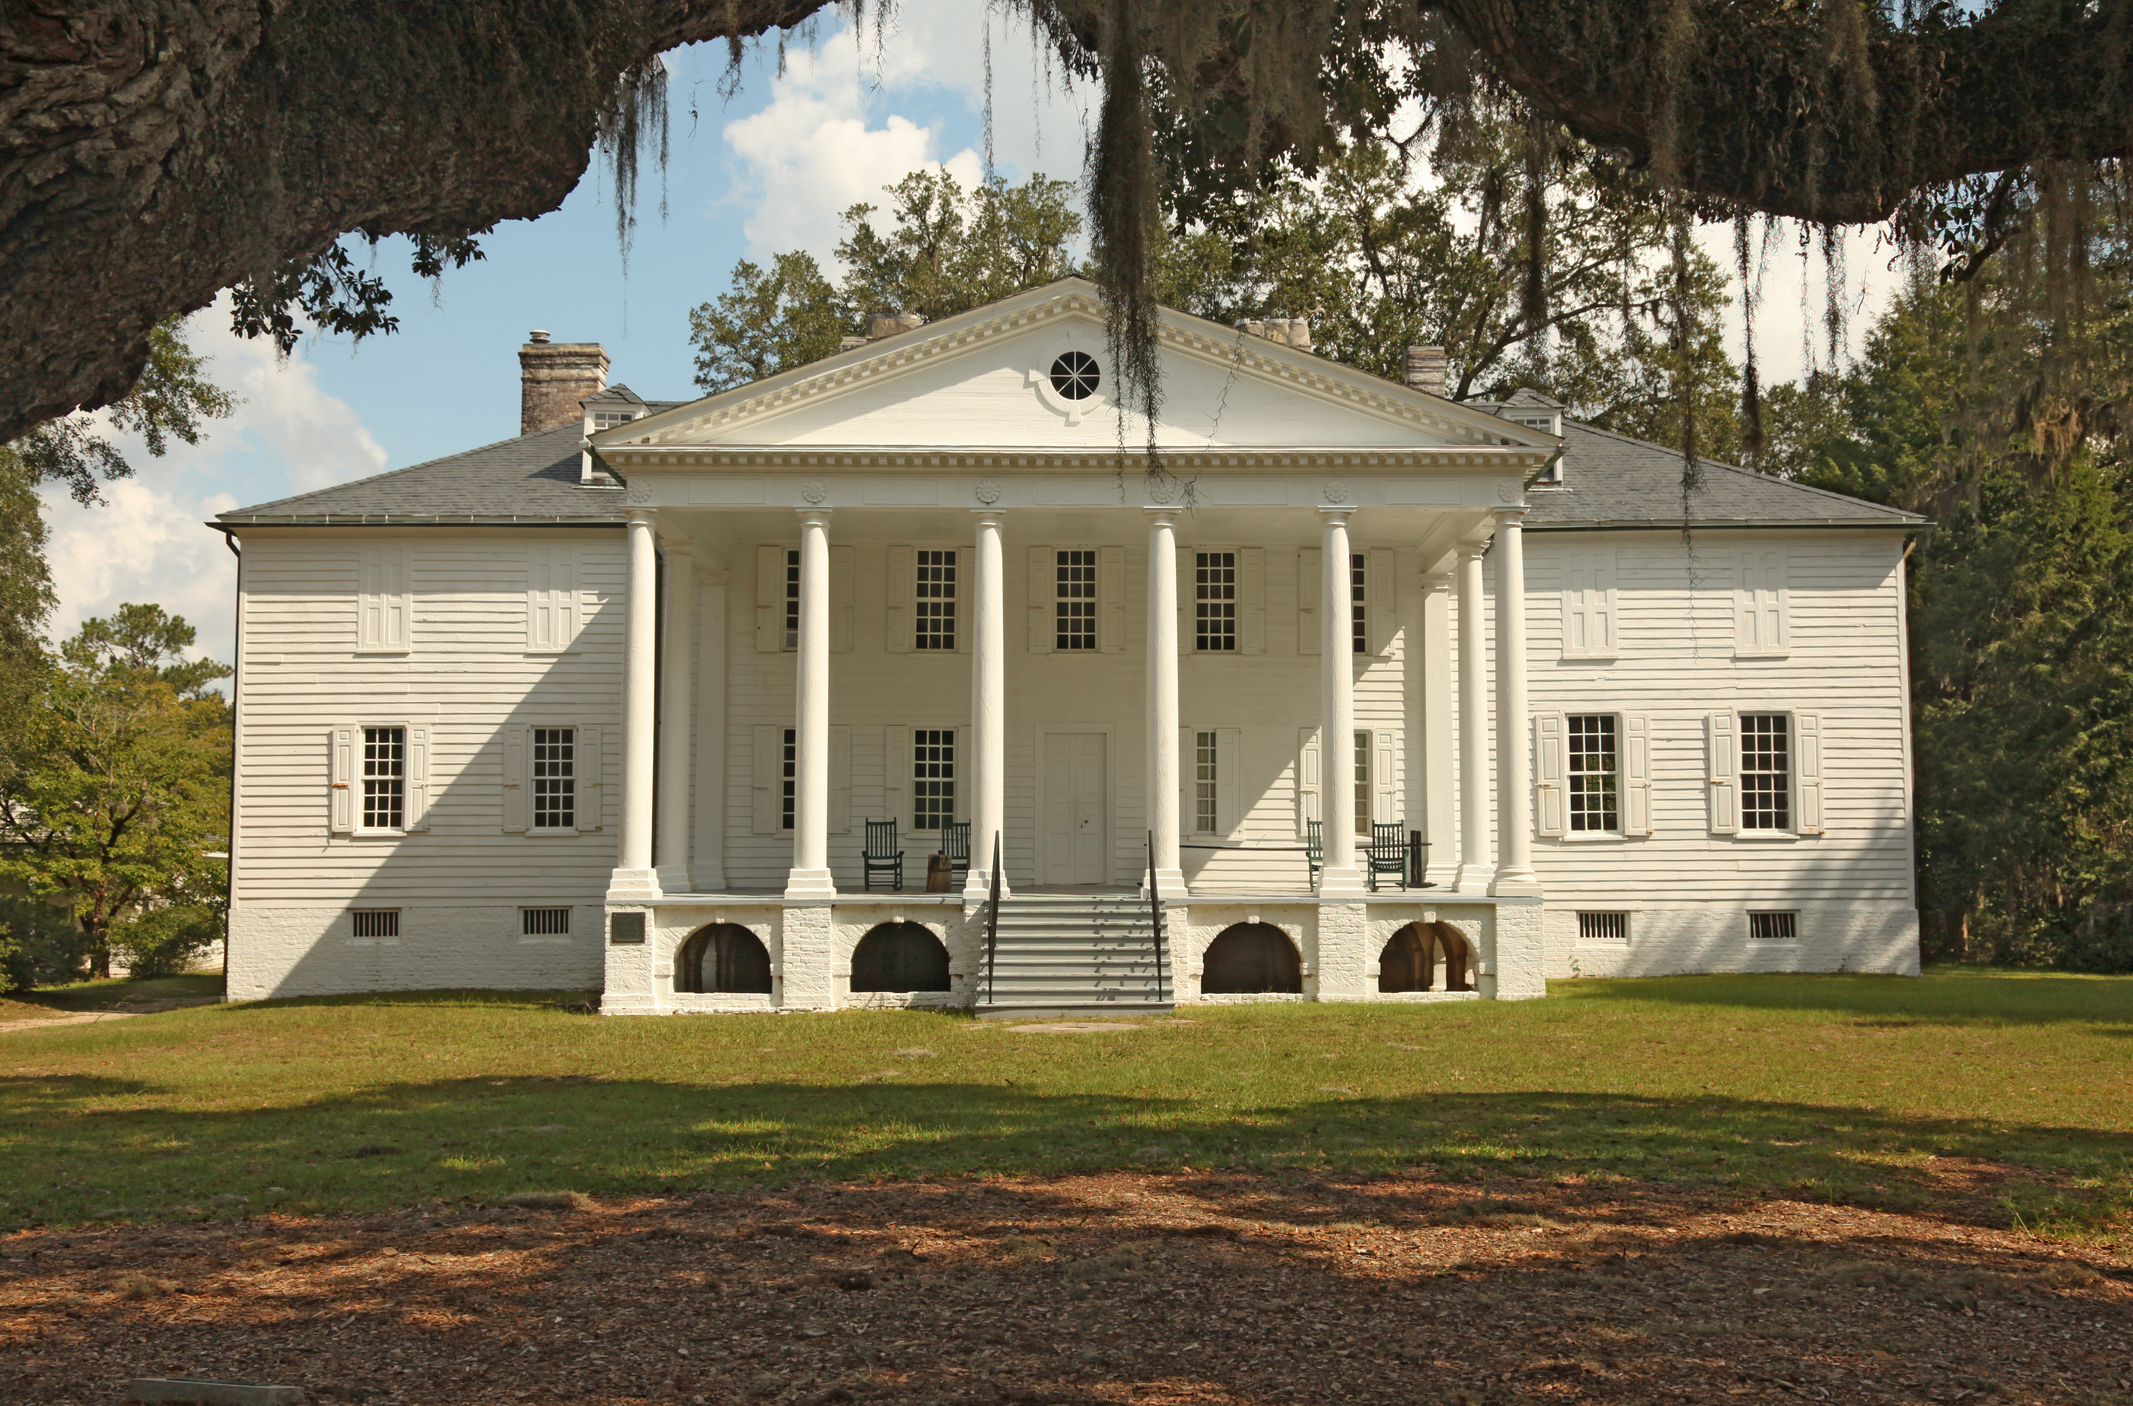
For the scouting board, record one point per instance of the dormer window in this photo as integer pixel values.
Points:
(608, 419)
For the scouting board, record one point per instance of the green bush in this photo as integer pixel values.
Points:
(39, 945)
(164, 941)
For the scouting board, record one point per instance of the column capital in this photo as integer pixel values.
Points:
(647, 516)
(1472, 551)
(1339, 514)
(677, 546)
(713, 575)
(1509, 516)
(814, 517)
(1165, 516)
(988, 517)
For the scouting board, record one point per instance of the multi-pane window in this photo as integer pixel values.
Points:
(936, 600)
(932, 777)
(1594, 794)
(788, 776)
(1359, 600)
(792, 598)
(1362, 784)
(1206, 813)
(1214, 601)
(1075, 610)
(555, 778)
(1765, 771)
(384, 778)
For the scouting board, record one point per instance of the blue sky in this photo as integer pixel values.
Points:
(768, 171)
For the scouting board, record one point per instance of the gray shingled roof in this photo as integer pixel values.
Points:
(1610, 480)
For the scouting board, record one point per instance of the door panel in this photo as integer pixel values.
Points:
(1076, 818)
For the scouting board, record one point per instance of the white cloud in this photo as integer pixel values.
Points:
(148, 541)
(1792, 295)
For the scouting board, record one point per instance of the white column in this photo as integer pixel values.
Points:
(677, 697)
(1336, 734)
(988, 707)
(708, 837)
(810, 876)
(1163, 700)
(1475, 871)
(1431, 676)
(1514, 729)
(634, 877)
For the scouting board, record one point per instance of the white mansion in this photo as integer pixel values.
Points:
(1384, 697)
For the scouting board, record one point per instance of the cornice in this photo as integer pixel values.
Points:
(1479, 457)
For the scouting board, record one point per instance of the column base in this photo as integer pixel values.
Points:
(978, 892)
(1473, 878)
(673, 880)
(1516, 883)
(1170, 885)
(633, 885)
(1344, 882)
(810, 883)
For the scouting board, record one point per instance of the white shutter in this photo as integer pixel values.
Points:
(1310, 585)
(1308, 772)
(769, 599)
(1550, 761)
(1385, 774)
(1229, 756)
(515, 780)
(1577, 616)
(1381, 598)
(1636, 774)
(1807, 782)
(1770, 601)
(764, 781)
(1043, 599)
(840, 788)
(1759, 603)
(965, 778)
(551, 599)
(385, 603)
(902, 588)
(416, 815)
(1722, 760)
(592, 776)
(1188, 782)
(841, 568)
(1188, 599)
(1111, 600)
(341, 746)
(896, 771)
(1600, 603)
(1251, 600)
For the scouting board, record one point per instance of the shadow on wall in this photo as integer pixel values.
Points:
(1409, 962)
(900, 957)
(1250, 959)
(723, 958)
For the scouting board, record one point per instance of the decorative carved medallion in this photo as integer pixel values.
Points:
(1336, 490)
(813, 490)
(1507, 490)
(988, 491)
(1162, 487)
(640, 493)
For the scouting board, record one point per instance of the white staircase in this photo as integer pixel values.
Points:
(1076, 955)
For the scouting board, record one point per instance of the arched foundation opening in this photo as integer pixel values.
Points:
(724, 958)
(1249, 959)
(900, 957)
(1410, 961)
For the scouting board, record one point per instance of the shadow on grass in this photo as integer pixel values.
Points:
(1943, 996)
(77, 1151)
(119, 993)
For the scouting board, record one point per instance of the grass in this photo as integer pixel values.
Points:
(82, 997)
(1998, 1096)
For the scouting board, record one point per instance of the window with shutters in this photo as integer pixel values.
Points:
(935, 580)
(932, 777)
(1593, 774)
(1206, 778)
(1074, 608)
(1214, 602)
(1363, 789)
(792, 598)
(1359, 595)
(554, 773)
(384, 778)
(1765, 771)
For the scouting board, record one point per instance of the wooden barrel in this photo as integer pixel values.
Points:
(939, 873)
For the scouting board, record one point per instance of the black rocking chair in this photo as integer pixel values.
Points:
(884, 855)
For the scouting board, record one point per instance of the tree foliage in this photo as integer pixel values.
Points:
(116, 803)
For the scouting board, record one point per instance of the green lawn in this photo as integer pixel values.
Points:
(1845, 1087)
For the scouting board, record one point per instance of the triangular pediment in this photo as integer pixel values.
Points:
(984, 379)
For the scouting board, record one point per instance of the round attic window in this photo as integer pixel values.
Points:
(1075, 375)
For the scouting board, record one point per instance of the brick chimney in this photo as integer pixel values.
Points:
(1426, 369)
(555, 380)
(1289, 331)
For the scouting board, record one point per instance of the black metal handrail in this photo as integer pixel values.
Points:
(992, 919)
(1155, 919)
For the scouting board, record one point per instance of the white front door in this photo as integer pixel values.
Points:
(1077, 842)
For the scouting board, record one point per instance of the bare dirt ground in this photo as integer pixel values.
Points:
(1109, 1288)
